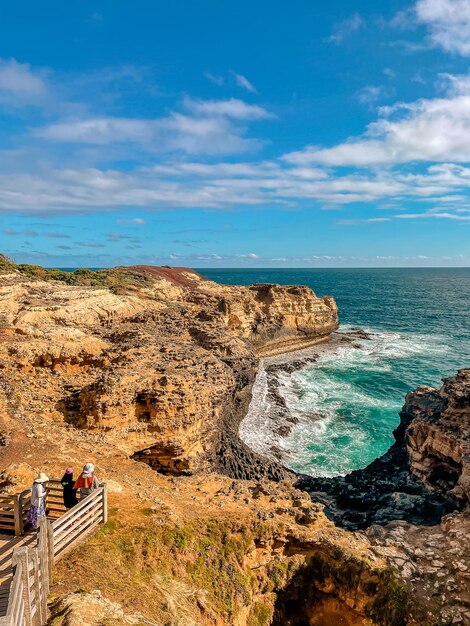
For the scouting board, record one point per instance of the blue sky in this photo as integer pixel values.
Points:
(248, 134)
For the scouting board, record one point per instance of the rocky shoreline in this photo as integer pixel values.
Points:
(268, 412)
(157, 365)
(387, 489)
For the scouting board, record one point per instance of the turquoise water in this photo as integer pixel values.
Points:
(347, 403)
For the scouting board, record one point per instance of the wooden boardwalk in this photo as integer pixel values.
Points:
(26, 560)
(7, 544)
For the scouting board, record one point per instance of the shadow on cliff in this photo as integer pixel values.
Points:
(416, 480)
(332, 592)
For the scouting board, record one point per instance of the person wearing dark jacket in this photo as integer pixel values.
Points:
(69, 493)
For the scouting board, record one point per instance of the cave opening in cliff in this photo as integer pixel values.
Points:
(445, 474)
(330, 591)
(142, 410)
(321, 610)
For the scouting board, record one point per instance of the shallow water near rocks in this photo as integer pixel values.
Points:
(344, 406)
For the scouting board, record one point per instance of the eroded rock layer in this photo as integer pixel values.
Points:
(438, 436)
(160, 360)
(156, 364)
(423, 476)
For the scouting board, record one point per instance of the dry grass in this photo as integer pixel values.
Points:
(183, 575)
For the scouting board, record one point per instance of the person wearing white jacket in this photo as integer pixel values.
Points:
(38, 499)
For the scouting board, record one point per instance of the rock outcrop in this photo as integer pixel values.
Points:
(90, 609)
(282, 319)
(423, 476)
(160, 360)
(438, 436)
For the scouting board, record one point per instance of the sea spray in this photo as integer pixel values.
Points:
(337, 414)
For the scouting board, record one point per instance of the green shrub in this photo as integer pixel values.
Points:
(390, 606)
(147, 511)
(111, 526)
(260, 615)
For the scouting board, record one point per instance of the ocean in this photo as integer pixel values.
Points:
(347, 402)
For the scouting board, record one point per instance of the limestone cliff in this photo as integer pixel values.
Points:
(161, 360)
(156, 364)
(438, 435)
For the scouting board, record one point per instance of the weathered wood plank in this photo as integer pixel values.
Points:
(20, 560)
(89, 531)
(75, 535)
(23, 595)
(93, 497)
(67, 520)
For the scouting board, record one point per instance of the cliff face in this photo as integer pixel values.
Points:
(438, 436)
(278, 319)
(156, 364)
(163, 364)
(423, 476)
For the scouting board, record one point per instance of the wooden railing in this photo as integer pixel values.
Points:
(79, 521)
(14, 508)
(32, 566)
(27, 602)
(11, 514)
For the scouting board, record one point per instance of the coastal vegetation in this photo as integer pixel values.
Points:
(118, 280)
(152, 385)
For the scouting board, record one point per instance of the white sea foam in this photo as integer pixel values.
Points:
(343, 411)
(256, 429)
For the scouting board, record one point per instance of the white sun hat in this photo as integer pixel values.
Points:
(42, 478)
(88, 469)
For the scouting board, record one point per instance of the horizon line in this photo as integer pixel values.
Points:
(351, 267)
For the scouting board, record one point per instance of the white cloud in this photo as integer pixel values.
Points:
(459, 215)
(132, 220)
(243, 82)
(210, 127)
(455, 84)
(91, 244)
(101, 130)
(224, 185)
(343, 29)
(448, 22)
(190, 258)
(314, 260)
(260, 169)
(201, 135)
(234, 108)
(370, 94)
(426, 130)
(20, 85)
(402, 20)
(214, 78)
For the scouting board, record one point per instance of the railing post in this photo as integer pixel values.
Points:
(40, 615)
(50, 548)
(18, 513)
(105, 503)
(20, 559)
(43, 548)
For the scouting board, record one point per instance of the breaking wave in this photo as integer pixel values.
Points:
(340, 411)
